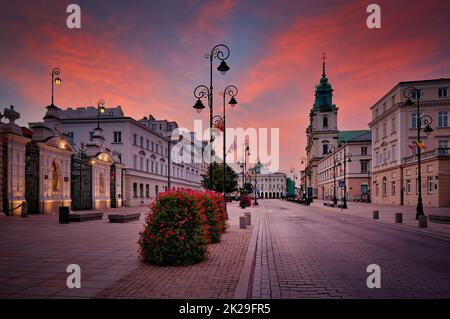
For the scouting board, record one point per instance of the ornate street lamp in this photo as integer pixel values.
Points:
(412, 93)
(55, 80)
(230, 91)
(347, 159)
(334, 171)
(220, 52)
(256, 168)
(100, 110)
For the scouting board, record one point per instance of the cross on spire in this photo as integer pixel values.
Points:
(324, 57)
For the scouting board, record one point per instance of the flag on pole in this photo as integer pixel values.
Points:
(420, 145)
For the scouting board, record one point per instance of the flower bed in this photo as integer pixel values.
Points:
(179, 226)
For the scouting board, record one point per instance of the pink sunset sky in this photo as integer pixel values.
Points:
(148, 56)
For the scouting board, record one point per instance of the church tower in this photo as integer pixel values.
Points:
(322, 131)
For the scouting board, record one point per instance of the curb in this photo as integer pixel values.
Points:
(243, 288)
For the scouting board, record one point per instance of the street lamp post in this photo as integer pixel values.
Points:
(257, 167)
(347, 159)
(231, 91)
(334, 172)
(55, 80)
(100, 110)
(422, 119)
(221, 52)
(304, 161)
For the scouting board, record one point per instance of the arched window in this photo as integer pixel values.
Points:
(384, 185)
(325, 122)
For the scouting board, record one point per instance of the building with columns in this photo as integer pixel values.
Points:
(394, 135)
(268, 184)
(143, 152)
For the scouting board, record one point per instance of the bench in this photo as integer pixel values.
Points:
(439, 219)
(123, 218)
(85, 216)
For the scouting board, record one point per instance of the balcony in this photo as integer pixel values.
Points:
(440, 151)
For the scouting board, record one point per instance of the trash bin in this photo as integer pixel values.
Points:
(64, 212)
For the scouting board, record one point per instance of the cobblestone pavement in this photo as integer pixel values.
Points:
(215, 277)
(307, 252)
(35, 251)
(387, 215)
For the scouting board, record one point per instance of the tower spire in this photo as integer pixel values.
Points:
(324, 57)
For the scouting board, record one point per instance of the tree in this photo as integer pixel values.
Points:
(217, 182)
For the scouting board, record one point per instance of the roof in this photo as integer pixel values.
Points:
(354, 136)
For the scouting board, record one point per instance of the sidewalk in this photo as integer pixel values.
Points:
(387, 215)
(215, 277)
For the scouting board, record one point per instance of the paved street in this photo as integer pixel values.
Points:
(313, 252)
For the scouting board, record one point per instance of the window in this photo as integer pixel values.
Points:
(325, 122)
(147, 190)
(384, 185)
(146, 164)
(91, 136)
(430, 185)
(393, 100)
(157, 168)
(377, 134)
(117, 137)
(384, 129)
(71, 136)
(157, 148)
(148, 144)
(134, 139)
(325, 149)
(384, 107)
(443, 92)
(152, 166)
(377, 158)
(384, 156)
(443, 119)
(364, 166)
(142, 142)
(393, 125)
(408, 186)
(141, 190)
(443, 147)
(135, 190)
(156, 189)
(393, 188)
(141, 163)
(376, 112)
(416, 94)
(414, 120)
(152, 145)
(135, 161)
(394, 152)
(364, 150)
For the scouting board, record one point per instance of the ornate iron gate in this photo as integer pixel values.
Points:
(32, 177)
(112, 186)
(81, 182)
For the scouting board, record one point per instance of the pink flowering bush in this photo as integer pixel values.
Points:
(176, 230)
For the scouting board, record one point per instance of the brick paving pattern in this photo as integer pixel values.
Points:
(306, 252)
(215, 277)
(35, 251)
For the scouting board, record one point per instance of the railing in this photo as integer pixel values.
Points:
(440, 151)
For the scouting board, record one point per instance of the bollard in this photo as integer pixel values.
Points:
(398, 218)
(64, 214)
(423, 221)
(249, 218)
(376, 214)
(242, 222)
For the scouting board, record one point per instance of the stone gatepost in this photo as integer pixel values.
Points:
(13, 166)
